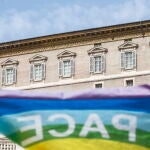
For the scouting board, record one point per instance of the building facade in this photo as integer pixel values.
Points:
(5, 144)
(113, 56)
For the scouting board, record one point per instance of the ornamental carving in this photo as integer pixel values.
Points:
(9, 61)
(66, 54)
(96, 49)
(38, 58)
(128, 45)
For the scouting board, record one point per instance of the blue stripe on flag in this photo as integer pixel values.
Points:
(16, 105)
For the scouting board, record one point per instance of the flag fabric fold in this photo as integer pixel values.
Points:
(107, 119)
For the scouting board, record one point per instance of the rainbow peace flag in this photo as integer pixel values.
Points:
(106, 119)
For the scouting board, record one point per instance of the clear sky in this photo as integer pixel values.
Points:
(20, 19)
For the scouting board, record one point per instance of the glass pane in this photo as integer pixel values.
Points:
(128, 60)
(98, 85)
(38, 72)
(9, 76)
(129, 83)
(67, 68)
(98, 64)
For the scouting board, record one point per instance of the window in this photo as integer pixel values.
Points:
(129, 82)
(97, 64)
(37, 72)
(97, 56)
(9, 76)
(128, 60)
(9, 72)
(128, 55)
(38, 68)
(97, 45)
(98, 85)
(66, 67)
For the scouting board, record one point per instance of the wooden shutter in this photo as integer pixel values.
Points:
(134, 59)
(31, 72)
(103, 65)
(72, 67)
(14, 75)
(3, 76)
(122, 60)
(91, 64)
(43, 71)
(60, 68)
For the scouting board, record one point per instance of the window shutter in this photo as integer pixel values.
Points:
(134, 58)
(31, 72)
(91, 64)
(3, 77)
(122, 60)
(14, 75)
(72, 67)
(60, 68)
(43, 71)
(103, 63)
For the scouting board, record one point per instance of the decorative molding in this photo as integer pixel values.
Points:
(66, 54)
(95, 50)
(128, 45)
(38, 58)
(78, 81)
(76, 38)
(9, 61)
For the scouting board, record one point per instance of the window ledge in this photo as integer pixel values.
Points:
(129, 70)
(9, 84)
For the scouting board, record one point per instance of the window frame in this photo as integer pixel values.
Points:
(102, 61)
(40, 71)
(123, 62)
(9, 64)
(69, 67)
(37, 60)
(66, 56)
(5, 75)
(32, 71)
(97, 51)
(128, 79)
(61, 67)
(102, 83)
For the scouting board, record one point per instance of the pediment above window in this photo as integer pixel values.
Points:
(38, 58)
(66, 54)
(95, 50)
(128, 45)
(9, 62)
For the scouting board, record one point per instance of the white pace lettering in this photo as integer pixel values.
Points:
(94, 119)
(70, 123)
(37, 126)
(130, 127)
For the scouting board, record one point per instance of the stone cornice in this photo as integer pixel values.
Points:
(77, 81)
(69, 39)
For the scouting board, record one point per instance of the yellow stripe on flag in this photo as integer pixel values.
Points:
(84, 144)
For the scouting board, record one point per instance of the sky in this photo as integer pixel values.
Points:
(21, 19)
